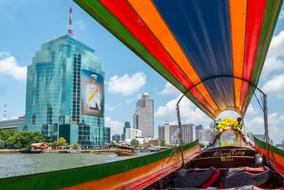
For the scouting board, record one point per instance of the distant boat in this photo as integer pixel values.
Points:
(30, 151)
(124, 150)
(125, 153)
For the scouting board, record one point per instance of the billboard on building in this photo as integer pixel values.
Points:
(92, 93)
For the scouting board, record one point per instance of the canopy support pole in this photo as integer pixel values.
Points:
(265, 117)
(265, 111)
(180, 131)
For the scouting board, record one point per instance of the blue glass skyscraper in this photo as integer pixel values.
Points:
(65, 93)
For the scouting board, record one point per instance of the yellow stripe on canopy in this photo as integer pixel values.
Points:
(148, 13)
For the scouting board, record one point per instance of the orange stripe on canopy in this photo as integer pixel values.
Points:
(149, 14)
(238, 11)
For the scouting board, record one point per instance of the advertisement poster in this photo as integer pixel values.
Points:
(91, 93)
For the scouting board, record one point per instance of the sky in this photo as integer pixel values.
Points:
(26, 24)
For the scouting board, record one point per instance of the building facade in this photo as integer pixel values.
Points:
(12, 123)
(115, 137)
(131, 133)
(65, 92)
(143, 118)
(107, 135)
(198, 128)
(170, 133)
(206, 136)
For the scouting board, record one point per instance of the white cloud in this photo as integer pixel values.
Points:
(251, 111)
(254, 123)
(80, 24)
(127, 84)
(9, 66)
(116, 127)
(189, 112)
(168, 89)
(275, 56)
(275, 85)
(275, 125)
(111, 108)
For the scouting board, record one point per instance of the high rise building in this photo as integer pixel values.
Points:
(115, 137)
(170, 133)
(126, 126)
(65, 92)
(143, 118)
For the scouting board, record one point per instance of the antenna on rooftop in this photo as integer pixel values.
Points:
(70, 27)
(5, 113)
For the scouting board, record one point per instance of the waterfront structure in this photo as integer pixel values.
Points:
(170, 133)
(115, 137)
(65, 92)
(126, 126)
(131, 133)
(143, 118)
(12, 123)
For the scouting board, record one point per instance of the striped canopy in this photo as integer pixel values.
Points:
(211, 50)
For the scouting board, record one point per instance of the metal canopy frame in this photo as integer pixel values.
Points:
(263, 108)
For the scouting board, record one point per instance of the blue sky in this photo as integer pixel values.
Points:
(26, 24)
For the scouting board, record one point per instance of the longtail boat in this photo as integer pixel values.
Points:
(213, 51)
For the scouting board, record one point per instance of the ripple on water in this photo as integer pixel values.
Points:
(21, 164)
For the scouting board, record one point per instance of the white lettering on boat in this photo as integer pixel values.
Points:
(229, 153)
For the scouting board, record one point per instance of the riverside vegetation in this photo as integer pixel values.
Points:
(11, 139)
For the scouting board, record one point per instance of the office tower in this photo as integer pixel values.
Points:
(143, 118)
(126, 126)
(65, 92)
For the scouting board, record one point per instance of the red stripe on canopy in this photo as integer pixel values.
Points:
(125, 14)
(255, 13)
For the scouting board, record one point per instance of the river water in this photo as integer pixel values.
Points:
(21, 164)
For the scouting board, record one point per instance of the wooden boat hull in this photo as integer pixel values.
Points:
(125, 153)
(276, 155)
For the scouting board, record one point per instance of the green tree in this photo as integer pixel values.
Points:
(62, 141)
(14, 141)
(134, 142)
(162, 142)
(24, 139)
(50, 138)
(54, 144)
(75, 146)
(2, 144)
(27, 138)
(4, 135)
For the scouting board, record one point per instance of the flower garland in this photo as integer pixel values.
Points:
(228, 123)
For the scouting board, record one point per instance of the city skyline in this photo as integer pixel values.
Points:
(127, 76)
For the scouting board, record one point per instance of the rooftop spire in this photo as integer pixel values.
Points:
(5, 113)
(70, 27)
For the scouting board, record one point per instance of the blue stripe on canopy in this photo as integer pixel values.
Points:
(202, 28)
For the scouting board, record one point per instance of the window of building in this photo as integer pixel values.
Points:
(33, 119)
